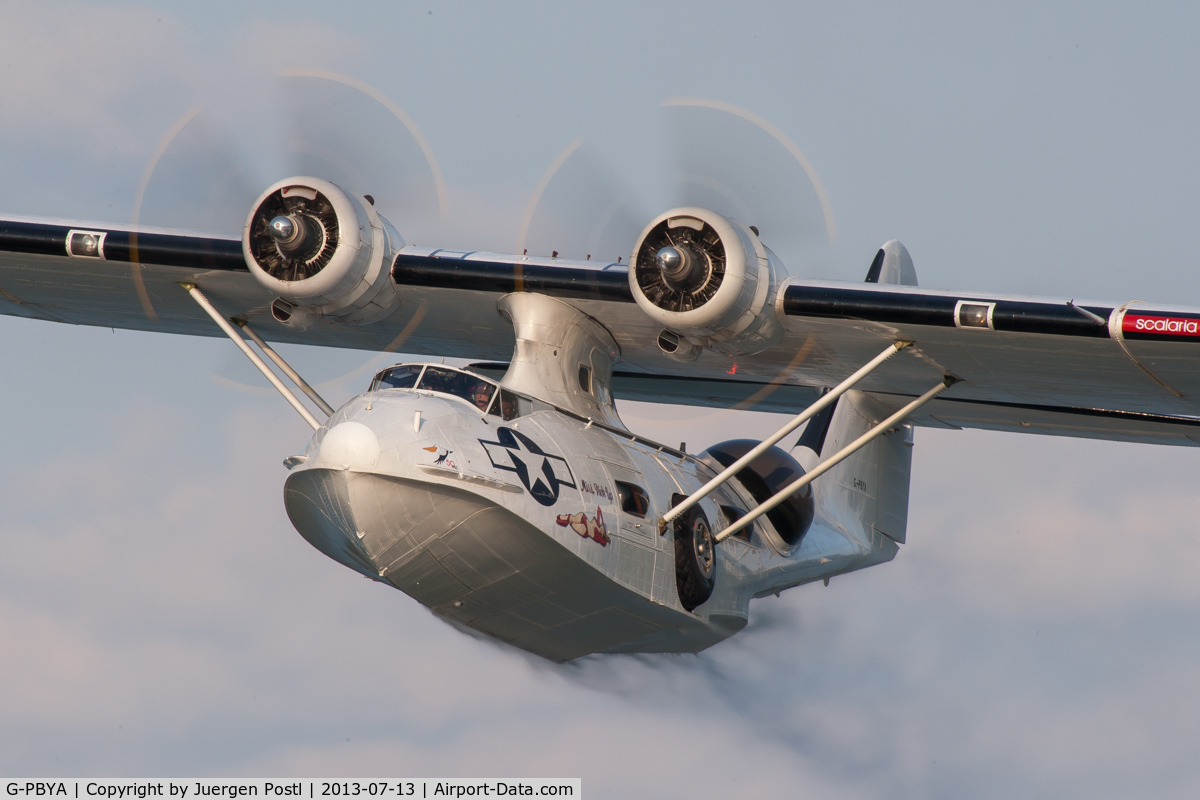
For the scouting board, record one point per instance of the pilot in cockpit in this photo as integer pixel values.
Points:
(508, 405)
(480, 394)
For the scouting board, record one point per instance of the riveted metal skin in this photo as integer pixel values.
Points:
(514, 518)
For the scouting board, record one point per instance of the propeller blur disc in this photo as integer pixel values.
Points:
(214, 162)
(218, 157)
(716, 156)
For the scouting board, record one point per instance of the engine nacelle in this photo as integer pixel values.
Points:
(708, 281)
(323, 252)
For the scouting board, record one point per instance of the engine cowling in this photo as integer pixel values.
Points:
(708, 281)
(323, 252)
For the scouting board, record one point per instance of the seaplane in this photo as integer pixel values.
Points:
(508, 497)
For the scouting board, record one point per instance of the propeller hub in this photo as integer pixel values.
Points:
(669, 259)
(283, 229)
(681, 268)
(295, 234)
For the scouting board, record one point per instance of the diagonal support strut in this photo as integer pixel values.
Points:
(202, 301)
(836, 459)
(277, 359)
(795, 422)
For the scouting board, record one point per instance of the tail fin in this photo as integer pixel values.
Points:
(870, 488)
(893, 265)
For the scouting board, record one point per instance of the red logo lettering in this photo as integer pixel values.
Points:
(1177, 326)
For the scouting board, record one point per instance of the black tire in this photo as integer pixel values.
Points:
(695, 558)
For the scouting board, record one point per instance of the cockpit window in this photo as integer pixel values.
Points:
(506, 406)
(403, 376)
(479, 392)
(471, 388)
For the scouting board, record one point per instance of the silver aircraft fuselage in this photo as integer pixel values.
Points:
(515, 528)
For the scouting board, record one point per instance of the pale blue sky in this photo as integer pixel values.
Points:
(1037, 636)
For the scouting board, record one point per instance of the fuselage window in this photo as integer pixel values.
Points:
(634, 499)
(401, 377)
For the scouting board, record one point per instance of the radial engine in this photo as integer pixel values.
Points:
(323, 252)
(708, 281)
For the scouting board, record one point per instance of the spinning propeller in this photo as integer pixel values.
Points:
(218, 157)
(700, 271)
(716, 156)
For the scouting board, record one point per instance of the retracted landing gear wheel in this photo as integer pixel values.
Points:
(695, 558)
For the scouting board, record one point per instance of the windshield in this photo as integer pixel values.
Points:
(477, 391)
(471, 388)
(401, 377)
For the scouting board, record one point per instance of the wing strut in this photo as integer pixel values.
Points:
(202, 301)
(834, 460)
(285, 367)
(796, 422)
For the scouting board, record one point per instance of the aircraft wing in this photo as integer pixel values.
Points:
(1125, 371)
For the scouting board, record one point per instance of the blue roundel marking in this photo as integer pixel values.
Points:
(541, 473)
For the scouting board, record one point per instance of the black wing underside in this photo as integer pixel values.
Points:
(1125, 372)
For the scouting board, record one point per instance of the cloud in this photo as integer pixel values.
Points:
(1048, 521)
(167, 620)
(161, 617)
